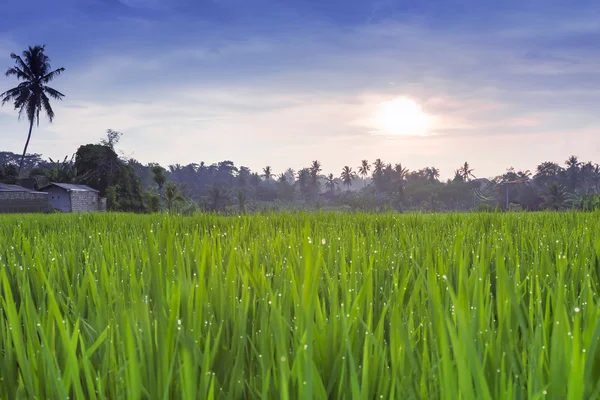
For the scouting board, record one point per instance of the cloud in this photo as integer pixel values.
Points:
(203, 91)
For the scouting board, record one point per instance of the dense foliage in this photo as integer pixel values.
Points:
(471, 306)
(224, 187)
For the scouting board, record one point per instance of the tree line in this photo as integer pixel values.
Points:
(130, 185)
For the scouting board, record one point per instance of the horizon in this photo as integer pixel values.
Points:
(282, 85)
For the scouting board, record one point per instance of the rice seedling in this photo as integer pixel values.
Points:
(300, 306)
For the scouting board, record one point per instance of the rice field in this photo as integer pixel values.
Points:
(300, 306)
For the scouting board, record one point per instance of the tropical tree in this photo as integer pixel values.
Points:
(466, 172)
(267, 173)
(159, 177)
(547, 172)
(378, 167)
(290, 174)
(555, 198)
(364, 169)
(315, 169)
(330, 182)
(347, 176)
(572, 171)
(458, 176)
(172, 196)
(432, 173)
(31, 96)
(218, 198)
(241, 201)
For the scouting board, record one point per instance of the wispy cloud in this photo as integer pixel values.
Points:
(186, 90)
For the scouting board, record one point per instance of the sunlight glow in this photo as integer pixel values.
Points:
(401, 116)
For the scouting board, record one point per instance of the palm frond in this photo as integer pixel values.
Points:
(55, 94)
(19, 73)
(31, 109)
(21, 64)
(47, 107)
(48, 77)
(10, 95)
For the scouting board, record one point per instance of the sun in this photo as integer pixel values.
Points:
(401, 116)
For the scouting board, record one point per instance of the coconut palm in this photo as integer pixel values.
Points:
(458, 176)
(330, 182)
(401, 172)
(347, 176)
(267, 173)
(432, 173)
(364, 169)
(573, 165)
(467, 172)
(31, 96)
(172, 196)
(315, 169)
(555, 198)
(378, 167)
(159, 177)
(218, 198)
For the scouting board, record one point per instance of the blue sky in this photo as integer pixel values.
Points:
(285, 82)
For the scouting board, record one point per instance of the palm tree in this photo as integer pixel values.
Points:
(267, 173)
(172, 196)
(458, 176)
(158, 176)
(364, 169)
(330, 182)
(556, 197)
(241, 201)
(378, 167)
(31, 96)
(347, 176)
(315, 168)
(466, 172)
(573, 165)
(218, 198)
(290, 174)
(432, 173)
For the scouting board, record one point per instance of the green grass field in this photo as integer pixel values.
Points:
(489, 306)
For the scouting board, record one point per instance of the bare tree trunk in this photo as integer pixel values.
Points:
(25, 149)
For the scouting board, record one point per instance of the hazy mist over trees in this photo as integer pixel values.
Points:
(377, 185)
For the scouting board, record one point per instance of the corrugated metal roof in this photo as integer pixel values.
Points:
(4, 187)
(70, 187)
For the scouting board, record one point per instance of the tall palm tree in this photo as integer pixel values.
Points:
(432, 173)
(458, 176)
(467, 172)
(315, 169)
(378, 167)
(31, 96)
(401, 172)
(172, 196)
(218, 198)
(159, 177)
(573, 165)
(267, 173)
(347, 176)
(556, 198)
(290, 174)
(330, 182)
(364, 169)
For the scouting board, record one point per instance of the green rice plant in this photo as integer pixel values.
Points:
(300, 306)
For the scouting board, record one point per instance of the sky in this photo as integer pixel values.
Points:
(282, 83)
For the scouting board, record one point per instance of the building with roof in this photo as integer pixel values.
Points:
(17, 199)
(68, 197)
